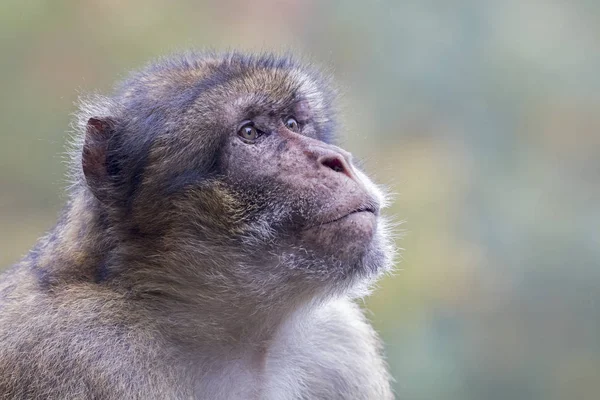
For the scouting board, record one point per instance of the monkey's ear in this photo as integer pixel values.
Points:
(95, 150)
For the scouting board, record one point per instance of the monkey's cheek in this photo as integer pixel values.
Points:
(345, 239)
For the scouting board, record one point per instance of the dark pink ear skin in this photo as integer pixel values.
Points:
(95, 148)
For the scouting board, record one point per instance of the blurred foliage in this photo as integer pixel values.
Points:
(483, 117)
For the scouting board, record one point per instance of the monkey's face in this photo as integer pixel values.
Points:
(303, 197)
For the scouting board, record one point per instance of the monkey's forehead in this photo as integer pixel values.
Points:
(271, 89)
(192, 77)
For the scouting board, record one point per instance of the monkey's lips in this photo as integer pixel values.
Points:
(357, 215)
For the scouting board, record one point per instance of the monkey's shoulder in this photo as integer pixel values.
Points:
(77, 342)
(333, 354)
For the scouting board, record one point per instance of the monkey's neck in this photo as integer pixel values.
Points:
(197, 315)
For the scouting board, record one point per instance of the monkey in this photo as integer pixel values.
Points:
(214, 244)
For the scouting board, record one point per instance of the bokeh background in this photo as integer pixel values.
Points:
(483, 117)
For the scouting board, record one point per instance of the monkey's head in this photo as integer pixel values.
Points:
(222, 169)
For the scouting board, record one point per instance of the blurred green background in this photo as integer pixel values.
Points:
(483, 117)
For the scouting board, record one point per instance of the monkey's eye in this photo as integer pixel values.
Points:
(248, 132)
(292, 124)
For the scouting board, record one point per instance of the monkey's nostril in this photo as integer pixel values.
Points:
(338, 164)
(334, 163)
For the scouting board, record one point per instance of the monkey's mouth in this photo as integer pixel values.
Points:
(363, 209)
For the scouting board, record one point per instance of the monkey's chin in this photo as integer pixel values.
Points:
(347, 240)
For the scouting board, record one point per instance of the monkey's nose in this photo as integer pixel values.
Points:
(338, 163)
